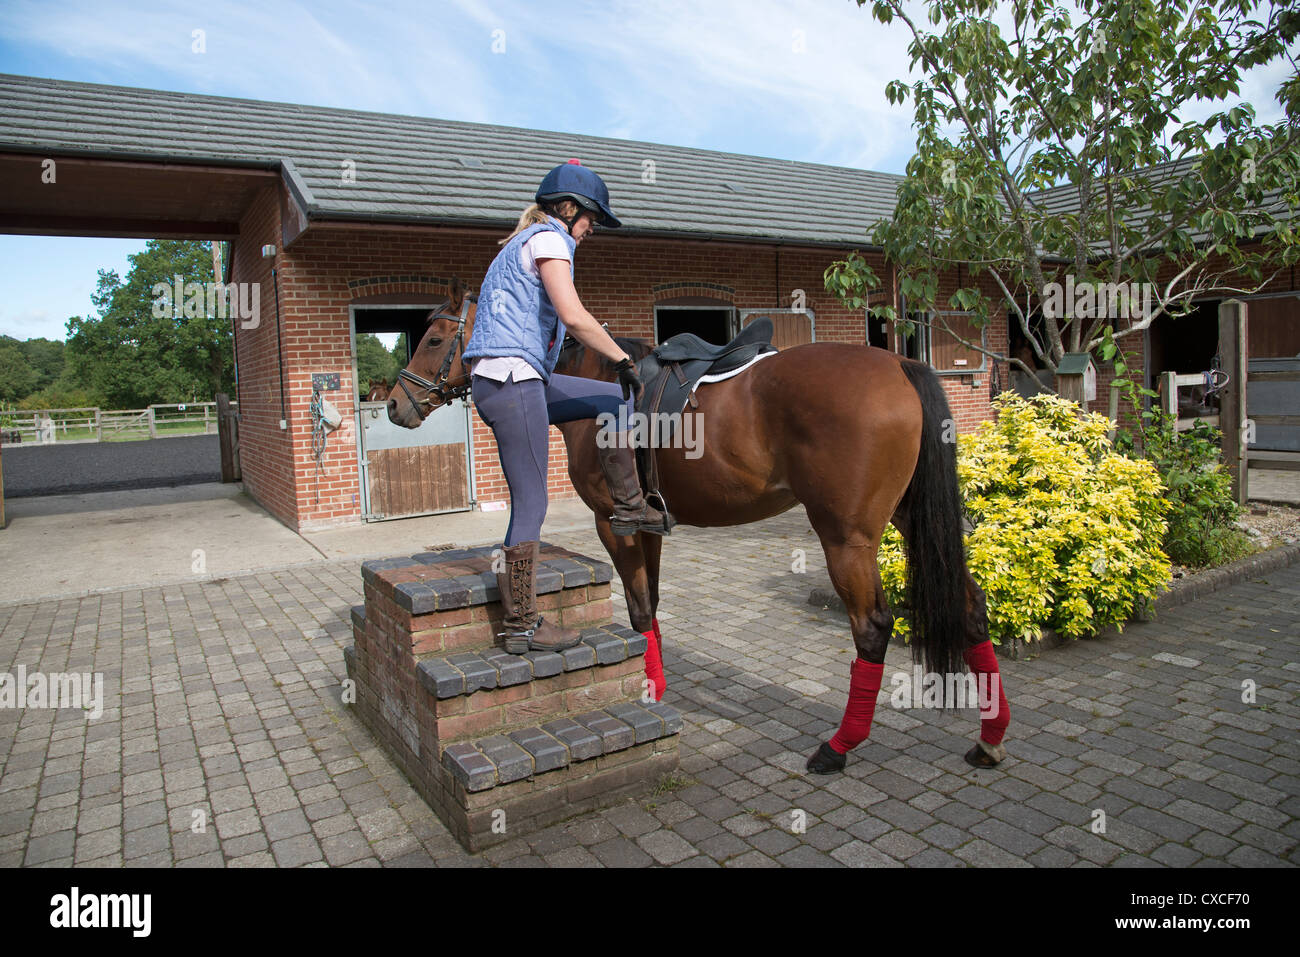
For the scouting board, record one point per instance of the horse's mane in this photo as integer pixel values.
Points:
(574, 352)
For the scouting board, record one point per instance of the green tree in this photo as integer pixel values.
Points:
(1102, 106)
(17, 377)
(137, 352)
(373, 361)
(46, 357)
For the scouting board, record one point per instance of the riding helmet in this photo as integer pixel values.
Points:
(574, 181)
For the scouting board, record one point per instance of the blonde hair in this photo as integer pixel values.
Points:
(535, 214)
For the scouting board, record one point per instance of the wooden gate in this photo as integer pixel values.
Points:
(408, 472)
(127, 424)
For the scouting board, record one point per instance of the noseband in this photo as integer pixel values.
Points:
(440, 390)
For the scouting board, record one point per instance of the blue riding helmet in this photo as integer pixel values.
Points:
(574, 181)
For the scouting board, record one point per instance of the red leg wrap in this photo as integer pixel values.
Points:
(864, 685)
(994, 713)
(654, 665)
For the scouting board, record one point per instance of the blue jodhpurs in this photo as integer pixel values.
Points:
(520, 415)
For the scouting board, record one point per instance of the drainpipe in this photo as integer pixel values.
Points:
(268, 252)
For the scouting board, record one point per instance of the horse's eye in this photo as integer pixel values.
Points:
(434, 342)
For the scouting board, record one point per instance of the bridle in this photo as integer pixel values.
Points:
(440, 390)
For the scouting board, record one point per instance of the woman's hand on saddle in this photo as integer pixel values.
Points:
(628, 379)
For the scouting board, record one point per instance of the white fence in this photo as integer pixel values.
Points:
(46, 426)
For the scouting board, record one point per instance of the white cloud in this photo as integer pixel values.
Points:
(723, 75)
(30, 324)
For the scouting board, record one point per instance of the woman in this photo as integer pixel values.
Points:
(526, 303)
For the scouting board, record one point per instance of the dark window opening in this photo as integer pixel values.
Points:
(877, 332)
(1186, 344)
(1019, 344)
(711, 325)
(913, 345)
(409, 322)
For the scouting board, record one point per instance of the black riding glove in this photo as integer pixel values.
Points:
(628, 379)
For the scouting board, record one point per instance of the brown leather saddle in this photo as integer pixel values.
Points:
(670, 373)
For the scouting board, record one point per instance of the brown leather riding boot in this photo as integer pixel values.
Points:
(632, 513)
(525, 629)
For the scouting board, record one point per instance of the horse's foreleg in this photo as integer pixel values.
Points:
(856, 579)
(630, 562)
(983, 662)
(653, 547)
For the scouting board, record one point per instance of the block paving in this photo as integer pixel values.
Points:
(224, 740)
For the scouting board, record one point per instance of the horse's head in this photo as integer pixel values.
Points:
(436, 373)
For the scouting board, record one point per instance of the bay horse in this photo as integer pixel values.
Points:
(379, 391)
(862, 437)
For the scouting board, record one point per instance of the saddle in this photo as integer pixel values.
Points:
(672, 371)
(674, 367)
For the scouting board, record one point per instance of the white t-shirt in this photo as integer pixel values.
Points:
(542, 245)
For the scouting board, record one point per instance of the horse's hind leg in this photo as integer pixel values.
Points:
(983, 662)
(856, 578)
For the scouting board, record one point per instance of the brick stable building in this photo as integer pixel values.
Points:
(373, 215)
(638, 285)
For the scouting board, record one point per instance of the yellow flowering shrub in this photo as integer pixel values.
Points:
(1067, 531)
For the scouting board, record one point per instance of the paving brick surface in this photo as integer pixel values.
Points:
(224, 738)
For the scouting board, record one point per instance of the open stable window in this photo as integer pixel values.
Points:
(947, 353)
(712, 322)
(916, 344)
(877, 332)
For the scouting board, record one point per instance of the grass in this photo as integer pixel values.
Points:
(668, 784)
(164, 429)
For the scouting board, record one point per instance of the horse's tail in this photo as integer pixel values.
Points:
(936, 557)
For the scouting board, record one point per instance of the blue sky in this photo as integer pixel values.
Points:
(796, 79)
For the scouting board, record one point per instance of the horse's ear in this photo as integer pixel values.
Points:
(457, 291)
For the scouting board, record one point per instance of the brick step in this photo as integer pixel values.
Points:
(444, 602)
(447, 676)
(489, 737)
(479, 634)
(555, 745)
(476, 693)
(458, 578)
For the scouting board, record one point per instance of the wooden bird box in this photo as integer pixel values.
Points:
(1076, 377)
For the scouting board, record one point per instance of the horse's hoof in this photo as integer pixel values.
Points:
(827, 760)
(985, 755)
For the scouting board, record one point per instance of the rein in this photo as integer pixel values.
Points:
(441, 389)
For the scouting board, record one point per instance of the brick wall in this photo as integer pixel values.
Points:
(266, 452)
